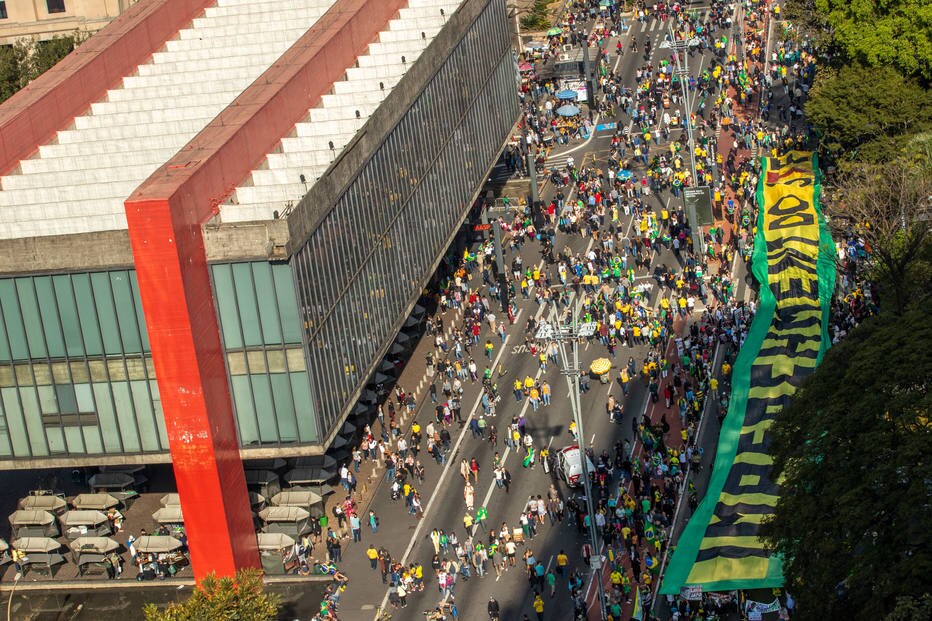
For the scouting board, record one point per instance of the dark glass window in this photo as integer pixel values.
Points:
(55, 6)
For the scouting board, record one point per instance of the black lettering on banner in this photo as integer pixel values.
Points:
(790, 215)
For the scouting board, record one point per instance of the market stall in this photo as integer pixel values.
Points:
(33, 523)
(42, 553)
(292, 521)
(94, 502)
(90, 553)
(52, 503)
(276, 550)
(81, 523)
(159, 556)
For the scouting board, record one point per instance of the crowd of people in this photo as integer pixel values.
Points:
(660, 320)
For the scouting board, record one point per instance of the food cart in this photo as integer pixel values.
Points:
(292, 521)
(275, 551)
(52, 503)
(42, 553)
(90, 553)
(159, 555)
(80, 523)
(33, 523)
(94, 502)
(264, 482)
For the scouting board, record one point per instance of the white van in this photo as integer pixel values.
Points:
(569, 464)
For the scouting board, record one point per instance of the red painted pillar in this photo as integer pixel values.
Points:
(174, 285)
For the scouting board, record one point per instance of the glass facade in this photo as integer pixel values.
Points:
(373, 252)
(76, 376)
(265, 358)
(76, 372)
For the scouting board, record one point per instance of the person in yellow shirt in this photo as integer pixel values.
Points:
(562, 561)
(373, 555)
(539, 607)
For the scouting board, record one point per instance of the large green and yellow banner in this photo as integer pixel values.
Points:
(793, 260)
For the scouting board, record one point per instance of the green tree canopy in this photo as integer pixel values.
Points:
(879, 33)
(854, 521)
(870, 111)
(222, 599)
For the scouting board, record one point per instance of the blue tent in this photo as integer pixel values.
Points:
(568, 110)
(567, 94)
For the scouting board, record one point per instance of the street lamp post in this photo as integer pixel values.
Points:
(560, 334)
(682, 71)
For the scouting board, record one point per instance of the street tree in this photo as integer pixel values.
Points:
(853, 521)
(876, 33)
(867, 113)
(242, 598)
(889, 205)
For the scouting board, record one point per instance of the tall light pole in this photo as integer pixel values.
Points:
(682, 71)
(559, 334)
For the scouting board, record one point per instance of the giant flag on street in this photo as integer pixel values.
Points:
(793, 260)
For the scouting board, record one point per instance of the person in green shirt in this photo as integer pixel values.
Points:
(552, 583)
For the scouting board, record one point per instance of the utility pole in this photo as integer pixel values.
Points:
(561, 334)
(587, 75)
(682, 72)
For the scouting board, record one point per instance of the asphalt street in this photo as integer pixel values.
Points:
(407, 538)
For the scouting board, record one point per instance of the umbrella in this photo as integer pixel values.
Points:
(53, 504)
(397, 348)
(567, 94)
(606, 3)
(111, 480)
(283, 514)
(18, 518)
(168, 515)
(4, 546)
(412, 321)
(272, 463)
(381, 378)
(387, 366)
(170, 500)
(100, 502)
(368, 396)
(308, 475)
(362, 409)
(418, 310)
(568, 110)
(82, 518)
(100, 545)
(600, 366)
(36, 544)
(553, 32)
(347, 429)
(525, 67)
(156, 543)
(274, 541)
(624, 174)
(339, 442)
(260, 477)
(339, 454)
(320, 490)
(317, 461)
(299, 498)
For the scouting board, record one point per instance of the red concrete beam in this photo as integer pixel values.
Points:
(165, 215)
(50, 102)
